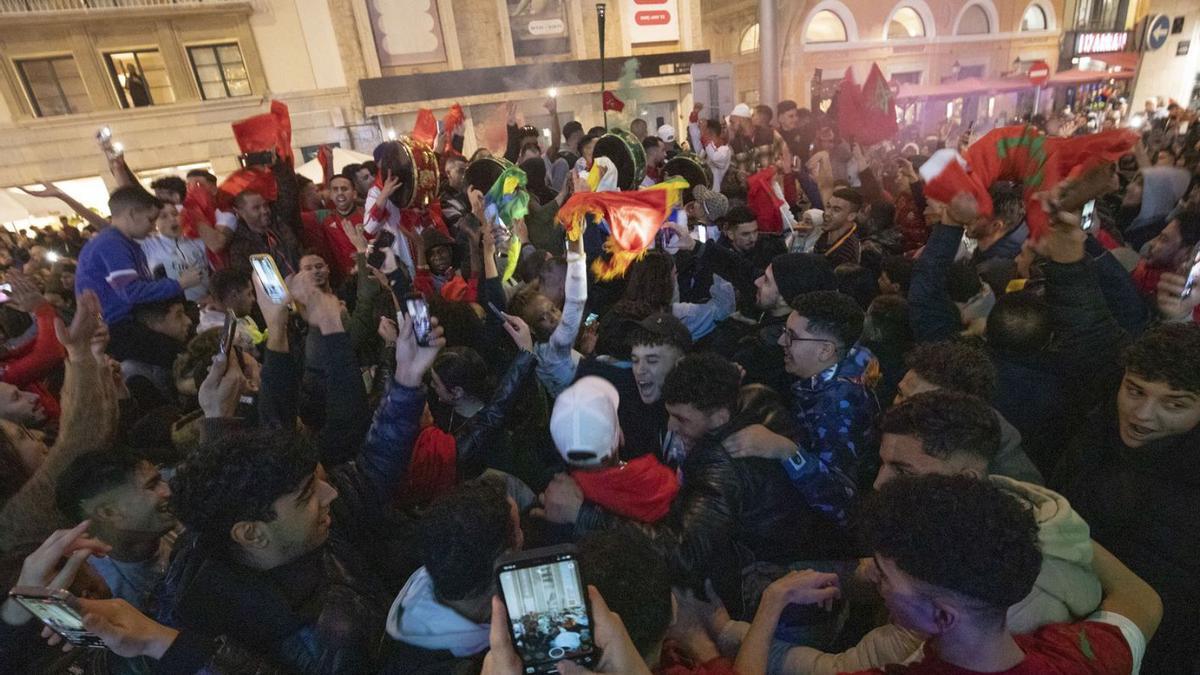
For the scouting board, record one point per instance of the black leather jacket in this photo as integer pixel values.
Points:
(732, 512)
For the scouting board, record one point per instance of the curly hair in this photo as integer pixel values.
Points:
(462, 535)
(833, 315)
(954, 366)
(958, 533)
(237, 477)
(708, 382)
(464, 367)
(170, 184)
(1167, 353)
(948, 423)
(228, 281)
(649, 286)
(634, 579)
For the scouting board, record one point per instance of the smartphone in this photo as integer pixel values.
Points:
(549, 616)
(263, 158)
(104, 138)
(52, 607)
(591, 320)
(270, 278)
(418, 309)
(702, 233)
(377, 251)
(1087, 220)
(1193, 277)
(495, 310)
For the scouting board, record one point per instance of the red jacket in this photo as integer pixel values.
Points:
(641, 489)
(35, 359)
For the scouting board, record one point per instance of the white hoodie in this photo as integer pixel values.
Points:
(418, 619)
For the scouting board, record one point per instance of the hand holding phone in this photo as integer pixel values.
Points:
(1193, 273)
(268, 275)
(548, 608)
(55, 608)
(418, 309)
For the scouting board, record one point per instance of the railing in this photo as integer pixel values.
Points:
(52, 6)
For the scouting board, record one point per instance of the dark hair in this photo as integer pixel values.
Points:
(764, 110)
(371, 166)
(651, 142)
(831, 314)
(639, 336)
(962, 281)
(92, 474)
(1008, 203)
(1167, 353)
(464, 367)
(350, 170)
(707, 382)
(785, 105)
(739, 215)
(461, 325)
(132, 197)
(570, 128)
(343, 177)
(145, 312)
(899, 270)
(713, 127)
(240, 199)
(237, 476)
(947, 422)
(170, 184)
(202, 173)
(957, 533)
(857, 282)
(649, 286)
(1020, 323)
(634, 580)
(954, 366)
(462, 535)
(851, 195)
(229, 280)
(1189, 226)
(887, 323)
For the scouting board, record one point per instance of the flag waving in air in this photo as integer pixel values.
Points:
(878, 111)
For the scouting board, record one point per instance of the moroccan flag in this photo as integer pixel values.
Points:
(848, 100)
(325, 158)
(425, 128)
(611, 102)
(1023, 154)
(878, 111)
(269, 131)
(450, 122)
(633, 219)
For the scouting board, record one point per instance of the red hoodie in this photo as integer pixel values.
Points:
(641, 489)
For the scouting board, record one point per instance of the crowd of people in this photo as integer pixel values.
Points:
(822, 423)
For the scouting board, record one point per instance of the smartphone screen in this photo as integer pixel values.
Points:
(1193, 276)
(228, 332)
(55, 613)
(702, 233)
(418, 309)
(591, 319)
(268, 275)
(1087, 219)
(548, 614)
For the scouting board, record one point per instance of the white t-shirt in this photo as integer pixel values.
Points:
(176, 255)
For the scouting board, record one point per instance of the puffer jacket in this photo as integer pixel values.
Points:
(732, 512)
(325, 611)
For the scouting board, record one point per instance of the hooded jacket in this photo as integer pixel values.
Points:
(418, 619)
(641, 489)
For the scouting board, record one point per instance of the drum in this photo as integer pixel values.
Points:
(627, 153)
(692, 169)
(482, 173)
(416, 164)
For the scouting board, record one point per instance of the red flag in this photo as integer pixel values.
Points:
(325, 157)
(425, 128)
(849, 106)
(611, 102)
(453, 119)
(878, 109)
(268, 131)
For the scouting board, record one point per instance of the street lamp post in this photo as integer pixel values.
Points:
(600, 9)
(769, 65)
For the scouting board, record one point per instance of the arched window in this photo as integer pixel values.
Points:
(974, 21)
(749, 41)
(825, 26)
(1034, 19)
(905, 23)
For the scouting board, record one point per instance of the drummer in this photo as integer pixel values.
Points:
(656, 156)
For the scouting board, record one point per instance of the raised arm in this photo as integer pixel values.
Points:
(934, 315)
(52, 191)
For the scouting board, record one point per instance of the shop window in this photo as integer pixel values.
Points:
(54, 86)
(749, 41)
(140, 78)
(974, 21)
(906, 23)
(220, 71)
(1034, 19)
(825, 26)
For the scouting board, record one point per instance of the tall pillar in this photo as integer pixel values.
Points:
(768, 88)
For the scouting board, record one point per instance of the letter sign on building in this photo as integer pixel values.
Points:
(651, 20)
(1100, 43)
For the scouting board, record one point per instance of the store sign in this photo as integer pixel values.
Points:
(1100, 43)
(407, 32)
(538, 28)
(651, 20)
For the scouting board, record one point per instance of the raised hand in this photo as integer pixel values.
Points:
(25, 295)
(413, 360)
(222, 387)
(48, 191)
(44, 568)
(758, 441)
(274, 314)
(355, 236)
(390, 183)
(77, 337)
(804, 588)
(561, 500)
(519, 331)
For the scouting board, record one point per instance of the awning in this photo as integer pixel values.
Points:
(1124, 60)
(971, 86)
(1077, 76)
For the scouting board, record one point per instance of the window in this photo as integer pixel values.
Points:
(220, 71)
(1034, 19)
(749, 40)
(54, 86)
(974, 21)
(906, 23)
(825, 26)
(907, 77)
(140, 78)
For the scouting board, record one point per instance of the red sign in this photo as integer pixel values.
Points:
(1039, 72)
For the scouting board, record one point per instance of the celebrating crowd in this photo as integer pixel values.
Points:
(802, 406)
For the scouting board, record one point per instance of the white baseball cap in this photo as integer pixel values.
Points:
(667, 133)
(584, 423)
(741, 110)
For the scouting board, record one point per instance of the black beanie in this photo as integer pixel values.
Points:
(797, 273)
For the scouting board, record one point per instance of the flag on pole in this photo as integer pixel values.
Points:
(611, 102)
(878, 113)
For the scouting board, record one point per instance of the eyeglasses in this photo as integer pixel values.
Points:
(789, 337)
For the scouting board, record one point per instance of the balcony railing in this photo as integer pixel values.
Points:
(53, 6)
